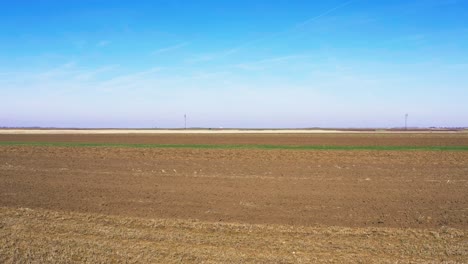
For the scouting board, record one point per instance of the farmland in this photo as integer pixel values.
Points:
(371, 197)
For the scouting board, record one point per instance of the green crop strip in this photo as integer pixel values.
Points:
(266, 147)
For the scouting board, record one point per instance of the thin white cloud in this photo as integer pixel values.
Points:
(91, 74)
(60, 79)
(103, 43)
(170, 48)
(279, 33)
(60, 70)
(200, 58)
(79, 44)
(140, 79)
(211, 56)
(406, 39)
(216, 55)
(323, 14)
(264, 63)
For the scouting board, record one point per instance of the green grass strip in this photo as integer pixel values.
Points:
(208, 146)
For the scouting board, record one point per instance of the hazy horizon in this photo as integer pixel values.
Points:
(234, 64)
(234, 128)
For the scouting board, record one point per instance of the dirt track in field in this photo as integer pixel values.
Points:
(418, 189)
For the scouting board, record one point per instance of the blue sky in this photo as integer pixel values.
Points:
(246, 64)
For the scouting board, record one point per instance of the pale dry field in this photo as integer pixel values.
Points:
(209, 131)
(44, 236)
(160, 131)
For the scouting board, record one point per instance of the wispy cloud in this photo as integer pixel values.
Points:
(200, 58)
(93, 73)
(60, 70)
(103, 43)
(264, 63)
(60, 79)
(283, 32)
(323, 14)
(421, 6)
(79, 44)
(412, 39)
(211, 56)
(170, 48)
(140, 79)
(271, 36)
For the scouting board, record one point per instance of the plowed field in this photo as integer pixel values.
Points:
(234, 205)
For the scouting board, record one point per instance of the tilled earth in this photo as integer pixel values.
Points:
(421, 190)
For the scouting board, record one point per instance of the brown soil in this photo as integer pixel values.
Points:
(344, 188)
(101, 204)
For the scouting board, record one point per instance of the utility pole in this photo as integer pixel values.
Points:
(406, 121)
(185, 121)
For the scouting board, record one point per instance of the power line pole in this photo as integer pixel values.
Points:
(185, 121)
(406, 121)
